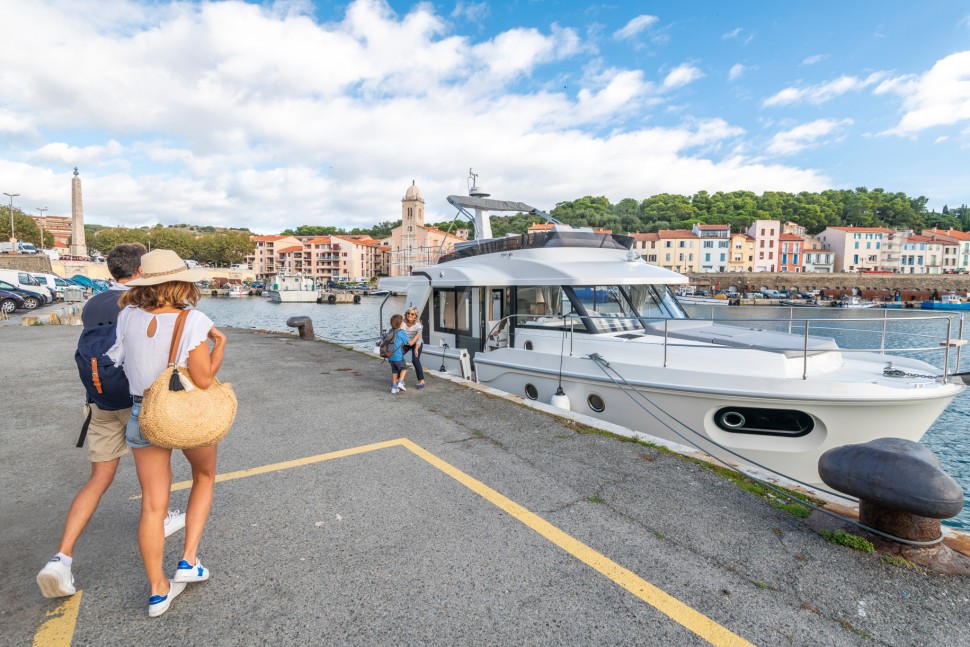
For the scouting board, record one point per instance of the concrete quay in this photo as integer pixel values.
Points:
(350, 516)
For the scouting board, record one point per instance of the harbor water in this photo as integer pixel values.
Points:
(360, 326)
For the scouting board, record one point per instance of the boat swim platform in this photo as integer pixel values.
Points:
(347, 515)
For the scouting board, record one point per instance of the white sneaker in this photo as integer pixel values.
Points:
(174, 522)
(394, 389)
(400, 386)
(55, 579)
(185, 572)
(158, 604)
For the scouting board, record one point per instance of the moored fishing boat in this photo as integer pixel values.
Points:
(570, 312)
(292, 288)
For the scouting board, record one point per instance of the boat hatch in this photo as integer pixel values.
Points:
(702, 331)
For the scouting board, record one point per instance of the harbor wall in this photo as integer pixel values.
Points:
(844, 282)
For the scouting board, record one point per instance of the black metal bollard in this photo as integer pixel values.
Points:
(901, 488)
(304, 325)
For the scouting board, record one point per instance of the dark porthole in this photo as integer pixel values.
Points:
(531, 392)
(769, 422)
(528, 345)
(596, 403)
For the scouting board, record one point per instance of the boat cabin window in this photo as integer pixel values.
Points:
(453, 310)
(597, 309)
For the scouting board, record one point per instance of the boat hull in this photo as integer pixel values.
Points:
(665, 403)
(292, 296)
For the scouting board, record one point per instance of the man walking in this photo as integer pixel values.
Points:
(105, 435)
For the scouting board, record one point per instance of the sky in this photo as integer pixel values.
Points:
(270, 115)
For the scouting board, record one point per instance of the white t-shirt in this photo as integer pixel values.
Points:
(144, 358)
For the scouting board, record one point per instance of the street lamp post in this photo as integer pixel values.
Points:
(41, 210)
(13, 238)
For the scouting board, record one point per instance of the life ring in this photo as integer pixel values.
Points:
(331, 298)
(356, 298)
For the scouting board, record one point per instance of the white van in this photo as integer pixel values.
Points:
(53, 283)
(26, 281)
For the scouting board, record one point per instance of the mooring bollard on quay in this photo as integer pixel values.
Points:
(303, 324)
(902, 491)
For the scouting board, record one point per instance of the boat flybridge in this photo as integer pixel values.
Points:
(577, 313)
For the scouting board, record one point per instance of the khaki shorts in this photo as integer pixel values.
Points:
(106, 434)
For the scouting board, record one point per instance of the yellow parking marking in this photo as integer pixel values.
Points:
(670, 606)
(661, 601)
(58, 630)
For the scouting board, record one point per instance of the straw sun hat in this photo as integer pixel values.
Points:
(163, 265)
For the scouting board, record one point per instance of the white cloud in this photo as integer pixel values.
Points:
(818, 94)
(738, 34)
(735, 72)
(681, 76)
(816, 58)
(233, 113)
(805, 136)
(734, 33)
(473, 12)
(635, 26)
(940, 97)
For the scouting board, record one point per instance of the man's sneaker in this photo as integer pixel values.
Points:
(174, 522)
(400, 386)
(158, 604)
(420, 386)
(55, 579)
(185, 572)
(394, 389)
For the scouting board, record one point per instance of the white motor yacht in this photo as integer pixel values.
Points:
(575, 313)
(292, 288)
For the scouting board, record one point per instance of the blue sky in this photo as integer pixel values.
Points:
(275, 114)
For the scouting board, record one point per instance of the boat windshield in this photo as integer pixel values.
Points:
(597, 309)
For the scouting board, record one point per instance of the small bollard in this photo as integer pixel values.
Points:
(304, 325)
(901, 488)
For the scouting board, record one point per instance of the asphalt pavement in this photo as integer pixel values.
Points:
(438, 517)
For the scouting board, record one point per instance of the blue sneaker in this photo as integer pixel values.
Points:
(185, 572)
(158, 604)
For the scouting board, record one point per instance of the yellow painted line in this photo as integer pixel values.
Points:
(285, 465)
(670, 606)
(58, 630)
(658, 599)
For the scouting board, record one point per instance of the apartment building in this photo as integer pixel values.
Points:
(741, 258)
(956, 250)
(815, 258)
(679, 250)
(266, 256)
(765, 234)
(646, 245)
(714, 247)
(790, 253)
(857, 249)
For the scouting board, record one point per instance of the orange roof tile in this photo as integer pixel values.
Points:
(291, 248)
(265, 239)
(677, 233)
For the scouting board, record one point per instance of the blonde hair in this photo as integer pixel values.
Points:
(411, 310)
(177, 294)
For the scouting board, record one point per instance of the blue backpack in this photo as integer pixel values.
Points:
(104, 381)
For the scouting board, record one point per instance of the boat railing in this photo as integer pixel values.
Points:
(807, 328)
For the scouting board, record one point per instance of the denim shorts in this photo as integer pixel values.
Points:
(133, 431)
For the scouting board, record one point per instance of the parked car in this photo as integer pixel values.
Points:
(31, 299)
(26, 281)
(10, 301)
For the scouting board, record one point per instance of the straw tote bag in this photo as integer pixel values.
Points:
(176, 414)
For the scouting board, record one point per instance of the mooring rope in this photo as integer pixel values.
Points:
(604, 365)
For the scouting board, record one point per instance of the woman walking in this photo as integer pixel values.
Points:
(145, 329)
(414, 328)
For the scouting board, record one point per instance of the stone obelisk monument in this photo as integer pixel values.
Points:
(78, 248)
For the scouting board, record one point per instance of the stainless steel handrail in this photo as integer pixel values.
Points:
(811, 325)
